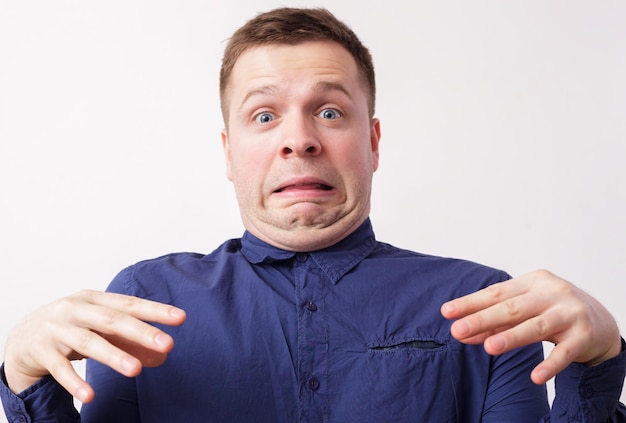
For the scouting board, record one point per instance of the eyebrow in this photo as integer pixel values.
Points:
(264, 90)
(273, 90)
(325, 86)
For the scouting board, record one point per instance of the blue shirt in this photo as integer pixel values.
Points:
(351, 333)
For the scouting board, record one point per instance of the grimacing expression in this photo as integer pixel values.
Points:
(300, 146)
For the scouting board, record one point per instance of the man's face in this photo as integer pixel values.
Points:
(300, 146)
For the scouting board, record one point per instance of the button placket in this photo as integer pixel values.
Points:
(314, 384)
(311, 283)
(586, 392)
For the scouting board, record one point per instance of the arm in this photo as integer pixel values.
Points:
(511, 396)
(538, 307)
(44, 401)
(110, 328)
(590, 394)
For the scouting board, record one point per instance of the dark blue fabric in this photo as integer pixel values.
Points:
(351, 333)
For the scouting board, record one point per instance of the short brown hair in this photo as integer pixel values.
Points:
(292, 26)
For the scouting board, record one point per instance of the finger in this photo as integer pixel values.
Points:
(90, 344)
(548, 326)
(142, 309)
(480, 300)
(115, 324)
(479, 338)
(147, 357)
(64, 373)
(496, 318)
(559, 358)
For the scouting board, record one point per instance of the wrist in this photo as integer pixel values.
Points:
(613, 351)
(16, 381)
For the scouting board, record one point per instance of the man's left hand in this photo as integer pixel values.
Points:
(538, 306)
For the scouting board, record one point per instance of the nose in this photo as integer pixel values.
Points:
(300, 139)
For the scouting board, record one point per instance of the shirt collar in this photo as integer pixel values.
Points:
(335, 260)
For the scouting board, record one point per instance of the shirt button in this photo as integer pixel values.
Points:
(313, 384)
(302, 257)
(586, 392)
(311, 306)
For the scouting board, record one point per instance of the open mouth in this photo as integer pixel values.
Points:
(322, 187)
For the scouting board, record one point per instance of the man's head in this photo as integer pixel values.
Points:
(292, 26)
(300, 143)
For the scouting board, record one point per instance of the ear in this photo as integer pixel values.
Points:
(226, 149)
(374, 141)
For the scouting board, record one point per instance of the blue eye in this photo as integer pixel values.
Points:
(330, 114)
(264, 117)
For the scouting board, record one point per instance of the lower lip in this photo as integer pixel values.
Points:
(304, 191)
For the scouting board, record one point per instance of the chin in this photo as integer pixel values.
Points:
(305, 231)
(314, 237)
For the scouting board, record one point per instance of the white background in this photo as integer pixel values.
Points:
(504, 136)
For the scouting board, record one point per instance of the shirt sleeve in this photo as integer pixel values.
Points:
(511, 395)
(590, 394)
(116, 395)
(45, 401)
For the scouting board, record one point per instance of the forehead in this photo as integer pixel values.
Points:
(284, 64)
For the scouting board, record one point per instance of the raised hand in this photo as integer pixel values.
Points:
(538, 306)
(110, 328)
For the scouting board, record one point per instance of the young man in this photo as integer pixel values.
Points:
(307, 317)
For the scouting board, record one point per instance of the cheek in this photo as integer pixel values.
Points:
(359, 159)
(248, 165)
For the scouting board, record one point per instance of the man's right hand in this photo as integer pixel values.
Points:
(110, 328)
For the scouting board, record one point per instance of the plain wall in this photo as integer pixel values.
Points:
(503, 136)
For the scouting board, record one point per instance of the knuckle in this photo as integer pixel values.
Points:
(555, 283)
(581, 310)
(585, 327)
(70, 302)
(495, 292)
(477, 323)
(543, 274)
(513, 308)
(84, 341)
(130, 302)
(85, 294)
(542, 327)
(64, 303)
(563, 288)
(112, 317)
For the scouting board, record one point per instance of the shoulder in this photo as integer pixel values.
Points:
(172, 271)
(434, 269)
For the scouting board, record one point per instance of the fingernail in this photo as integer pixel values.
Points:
(540, 376)
(461, 327)
(497, 343)
(128, 364)
(162, 340)
(176, 313)
(449, 308)
(81, 394)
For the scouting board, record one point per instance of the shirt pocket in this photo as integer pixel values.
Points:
(408, 345)
(409, 378)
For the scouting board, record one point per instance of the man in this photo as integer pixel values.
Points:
(307, 317)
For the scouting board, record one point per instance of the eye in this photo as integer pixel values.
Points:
(264, 117)
(330, 114)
